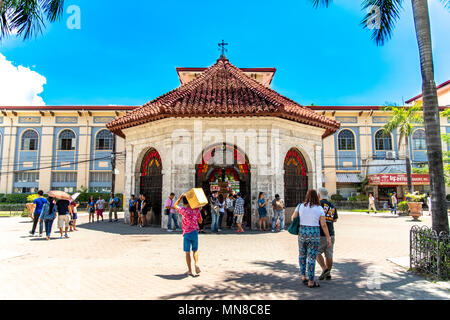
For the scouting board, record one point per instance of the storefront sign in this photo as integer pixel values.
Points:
(398, 179)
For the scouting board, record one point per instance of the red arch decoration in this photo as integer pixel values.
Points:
(151, 163)
(294, 157)
(239, 158)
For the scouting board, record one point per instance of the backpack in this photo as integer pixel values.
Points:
(45, 209)
(279, 205)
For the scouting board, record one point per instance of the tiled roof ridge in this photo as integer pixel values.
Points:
(211, 93)
(270, 94)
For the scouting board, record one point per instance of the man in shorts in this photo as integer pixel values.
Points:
(239, 212)
(64, 213)
(190, 220)
(100, 206)
(331, 217)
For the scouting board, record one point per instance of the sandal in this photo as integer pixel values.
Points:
(315, 285)
(305, 281)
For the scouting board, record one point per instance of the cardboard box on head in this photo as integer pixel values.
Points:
(196, 198)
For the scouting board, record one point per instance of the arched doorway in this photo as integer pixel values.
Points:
(151, 184)
(225, 168)
(295, 178)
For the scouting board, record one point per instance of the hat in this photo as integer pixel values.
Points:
(323, 193)
(239, 194)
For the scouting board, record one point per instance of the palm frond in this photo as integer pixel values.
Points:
(321, 3)
(27, 17)
(53, 8)
(384, 12)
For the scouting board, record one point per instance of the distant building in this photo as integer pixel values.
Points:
(359, 150)
(69, 147)
(58, 148)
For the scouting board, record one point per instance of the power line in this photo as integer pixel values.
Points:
(52, 167)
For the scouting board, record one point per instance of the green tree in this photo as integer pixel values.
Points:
(27, 18)
(387, 15)
(403, 120)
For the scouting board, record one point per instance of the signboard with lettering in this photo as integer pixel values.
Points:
(398, 179)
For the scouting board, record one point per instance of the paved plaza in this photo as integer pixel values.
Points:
(116, 261)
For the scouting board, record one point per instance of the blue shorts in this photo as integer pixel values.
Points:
(190, 240)
(75, 216)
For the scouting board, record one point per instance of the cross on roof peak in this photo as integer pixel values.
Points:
(222, 48)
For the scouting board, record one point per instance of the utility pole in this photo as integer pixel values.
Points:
(113, 165)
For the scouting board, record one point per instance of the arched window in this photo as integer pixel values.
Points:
(419, 140)
(67, 140)
(30, 140)
(346, 140)
(383, 141)
(104, 140)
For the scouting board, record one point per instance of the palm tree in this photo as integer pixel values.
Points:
(387, 16)
(26, 17)
(403, 120)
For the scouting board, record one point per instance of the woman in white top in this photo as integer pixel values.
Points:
(312, 216)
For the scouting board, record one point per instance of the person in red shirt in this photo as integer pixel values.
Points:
(189, 223)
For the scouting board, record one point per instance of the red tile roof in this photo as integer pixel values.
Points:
(420, 95)
(77, 108)
(222, 90)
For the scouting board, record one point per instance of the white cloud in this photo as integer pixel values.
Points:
(20, 86)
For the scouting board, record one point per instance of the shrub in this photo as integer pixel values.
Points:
(402, 207)
(353, 199)
(337, 197)
(448, 197)
(15, 198)
(363, 197)
(31, 198)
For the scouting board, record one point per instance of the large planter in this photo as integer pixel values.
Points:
(415, 209)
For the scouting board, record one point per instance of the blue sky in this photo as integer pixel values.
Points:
(127, 54)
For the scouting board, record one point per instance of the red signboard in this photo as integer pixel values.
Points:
(398, 179)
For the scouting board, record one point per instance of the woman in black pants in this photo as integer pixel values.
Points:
(204, 213)
(230, 210)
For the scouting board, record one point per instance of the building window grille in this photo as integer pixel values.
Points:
(346, 140)
(383, 141)
(100, 177)
(26, 177)
(69, 177)
(67, 140)
(30, 140)
(419, 140)
(104, 140)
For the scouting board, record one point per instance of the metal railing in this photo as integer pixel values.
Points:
(429, 252)
(12, 209)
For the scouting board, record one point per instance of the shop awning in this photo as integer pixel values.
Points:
(348, 178)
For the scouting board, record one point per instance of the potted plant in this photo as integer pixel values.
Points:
(415, 204)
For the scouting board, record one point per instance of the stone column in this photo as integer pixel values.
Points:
(129, 180)
(47, 141)
(10, 142)
(84, 147)
(318, 165)
(329, 162)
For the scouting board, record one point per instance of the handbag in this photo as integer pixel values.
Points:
(294, 226)
(166, 211)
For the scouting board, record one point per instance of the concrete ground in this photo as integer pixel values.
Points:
(117, 261)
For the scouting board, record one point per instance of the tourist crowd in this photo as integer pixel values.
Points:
(46, 210)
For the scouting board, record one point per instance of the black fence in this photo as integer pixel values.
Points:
(429, 252)
(13, 210)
